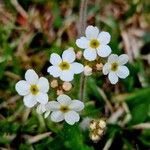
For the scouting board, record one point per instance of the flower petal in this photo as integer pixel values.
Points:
(47, 113)
(69, 55)
(123, 72)
(40, 109)
(106, 69)
(52, 106)
(55, 59)
(90, 54)
(113, 78)
(71, 117)
(31, 76)
(103, 50)
(76, 105)
(104, 37)
(82, 42)
(64, 99)
(29, 101)
(22, 87)
(77, 68)
(43, 85)
(57, 116)
(123, 59)
(54, 71)
(42, 98)
(113, 58)
(91, 32)
(66, 76)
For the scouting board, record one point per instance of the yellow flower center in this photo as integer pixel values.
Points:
(34, 89)
(64, 108)
(64, 65)
(94, 43)
(114, 66)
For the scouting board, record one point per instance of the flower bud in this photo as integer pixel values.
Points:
(59, 92)
(102, 124)
(54, 83)
(99, 66)
(67, 86)
(79, 55)
(87, 71)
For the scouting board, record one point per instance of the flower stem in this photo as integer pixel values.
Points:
(81, 30)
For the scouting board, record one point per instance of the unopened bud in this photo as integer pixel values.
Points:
(54, 84)
(67, 86)
(102, 124)
(99, 66)
(79, 55)
(87, 71)
(59, 92)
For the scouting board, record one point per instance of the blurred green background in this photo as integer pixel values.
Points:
(30, 30)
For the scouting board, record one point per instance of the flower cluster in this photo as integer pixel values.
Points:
(95, 47)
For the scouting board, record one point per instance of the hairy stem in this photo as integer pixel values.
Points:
(81, 30)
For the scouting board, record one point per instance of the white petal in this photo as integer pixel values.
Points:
(43, 85)
(54, 71)
(40, 109)
(91, 32)
(106, 69)
(31, 76)
(71, 117)
(22, 87)
(123, 72)
(55, 59)
(64, 99)
(113, 78)
(46, 114)
(104, 37)
(69, 55)
(103, 50)
(42, 98)
(76, 105)
(82, 42)
(57, 116)
(77, 68)
(113, 58)
(29, 101)
(52, 106)
(66, 76)
(90, 54)
(123, 59)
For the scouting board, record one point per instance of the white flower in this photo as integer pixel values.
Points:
(42, 108)
(115, 67)
(64, 67)
(94, 43)
(65, 109)
(34, 89)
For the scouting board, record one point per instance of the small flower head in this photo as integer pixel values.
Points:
(65, 109)
(87, 71)
(64, 67)
(115, 67)
(67, 86)
(94, 43)
(34, 89)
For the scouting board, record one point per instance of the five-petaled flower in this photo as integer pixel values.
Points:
(94, 43)
(65, 109)
(34, 89)
(115, 67)
(64, 67)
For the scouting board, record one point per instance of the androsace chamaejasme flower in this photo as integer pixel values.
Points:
(34, 89)
(64, 67)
